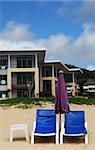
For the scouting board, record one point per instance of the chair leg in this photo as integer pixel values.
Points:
(57, 138)
(61, 138)
(11, 135)
(86, 139)
(26, 135)
(32, 138)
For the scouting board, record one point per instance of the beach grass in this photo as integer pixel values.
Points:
(25, 102)
(31, 102)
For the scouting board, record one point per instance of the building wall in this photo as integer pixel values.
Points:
(12, 64)
(10, 72)
(14, 70)
(3, 87)
(3, 72)
(52, 79)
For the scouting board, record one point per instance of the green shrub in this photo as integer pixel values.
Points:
(25, 102)
(82, 100)
(31, 102)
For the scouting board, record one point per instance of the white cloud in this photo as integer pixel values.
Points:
(79, 52)
(85, 44)
(83, 11)
(86, 11)
(91, 67)
(16, 32)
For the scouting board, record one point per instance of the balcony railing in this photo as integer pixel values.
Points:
(19, 86)
(16, 66)
(22, 66)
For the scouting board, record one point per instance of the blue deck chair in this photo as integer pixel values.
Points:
(45, 125)
(74, 125)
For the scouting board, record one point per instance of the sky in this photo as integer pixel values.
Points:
(65, 28)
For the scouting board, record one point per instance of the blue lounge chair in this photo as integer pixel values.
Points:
(45, 125)
(74, 125)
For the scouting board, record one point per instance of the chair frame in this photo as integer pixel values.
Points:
(33, 134)
(62, 134)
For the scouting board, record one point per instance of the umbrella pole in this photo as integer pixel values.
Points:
(59, 121)
(59, 125)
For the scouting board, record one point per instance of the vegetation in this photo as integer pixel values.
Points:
(82, 100)
(32, 102)
(25, 102)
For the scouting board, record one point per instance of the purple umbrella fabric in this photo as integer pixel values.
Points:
(61, 104)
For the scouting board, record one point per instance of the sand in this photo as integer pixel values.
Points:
(14, 115)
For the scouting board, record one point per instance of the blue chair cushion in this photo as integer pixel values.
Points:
(46, 113)
(45, 121)
(75, 123)
(75, 130)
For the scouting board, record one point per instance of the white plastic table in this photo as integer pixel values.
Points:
(15, 127)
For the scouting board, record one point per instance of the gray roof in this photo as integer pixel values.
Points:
(40, 53)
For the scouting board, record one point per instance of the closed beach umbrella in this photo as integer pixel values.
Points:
(61, 104)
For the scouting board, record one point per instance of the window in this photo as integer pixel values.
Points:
(47, 71)
(19, 63)
(3, 79)
(47, 88)
(3, 63)
(26, 62)
(24, 78)
(22, 93)
(3, 94)
(68, 77)
(19, 80)
(30, 63)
